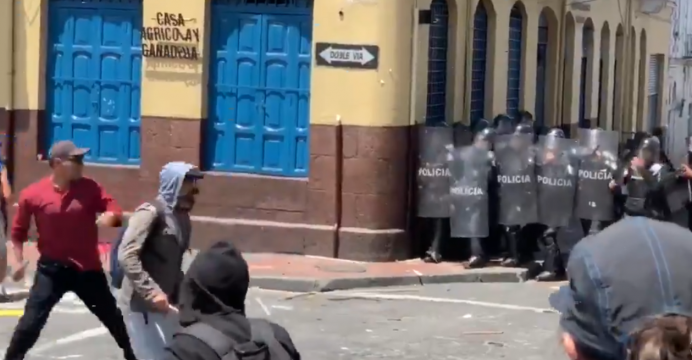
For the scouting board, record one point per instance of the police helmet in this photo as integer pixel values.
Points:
(556, 133)
(503, 124)
(523, 129)
(481, 125)
(552, 138)
(650, 149)
(486, 135)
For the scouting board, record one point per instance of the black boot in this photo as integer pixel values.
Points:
(553, 267)
(432, 257)
(129, 354)
(512, 246)
(434, 253)
(478, 257)
(547, 276)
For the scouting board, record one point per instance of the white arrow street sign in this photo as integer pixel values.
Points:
(360, 56)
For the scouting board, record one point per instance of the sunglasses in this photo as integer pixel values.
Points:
(79, 160)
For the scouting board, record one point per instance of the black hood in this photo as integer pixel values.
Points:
(215, 284)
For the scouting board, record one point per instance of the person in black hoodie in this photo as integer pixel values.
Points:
(212, 313)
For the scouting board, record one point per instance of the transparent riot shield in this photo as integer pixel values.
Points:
(470, 168)
(557, 178)
(434, 145)
(463, 136)
(603, 142)
(598, 165)
(516, 177)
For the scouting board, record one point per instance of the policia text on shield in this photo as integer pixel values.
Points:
(497, 184)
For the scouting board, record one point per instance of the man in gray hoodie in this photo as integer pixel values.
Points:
(150, 255)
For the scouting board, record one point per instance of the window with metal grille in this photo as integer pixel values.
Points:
(655, 69)
(265, 3)
(516, 35)
(435, 112)
(480, 47)
(541, 70)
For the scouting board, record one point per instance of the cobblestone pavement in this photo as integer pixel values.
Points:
(460, 321)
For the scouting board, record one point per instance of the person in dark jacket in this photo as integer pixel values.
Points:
(213, 295)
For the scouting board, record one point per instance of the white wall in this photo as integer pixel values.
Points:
(679, 100)
(681, 30)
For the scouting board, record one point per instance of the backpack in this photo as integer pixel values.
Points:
(117, 274)
(227, 348)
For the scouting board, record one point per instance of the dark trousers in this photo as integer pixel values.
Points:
(51, 282)
(479, 247)
(438, 234)
(553, 257)
(598, 225)
(516, 245)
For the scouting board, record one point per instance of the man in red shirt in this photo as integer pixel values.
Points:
(65, 207)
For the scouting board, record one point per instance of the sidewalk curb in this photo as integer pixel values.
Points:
(293, 284)
(298, 284)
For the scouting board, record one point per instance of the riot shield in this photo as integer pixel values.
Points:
(463, 135)
(516, 177)
(556, 175)
(596, 169)
(434, 144)
(470, 168)
(597, 140)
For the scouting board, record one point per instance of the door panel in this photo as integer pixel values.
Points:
(260, 93)
(94, 79)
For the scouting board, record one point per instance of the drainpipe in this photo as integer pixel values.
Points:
(560, 78)
(338, 183)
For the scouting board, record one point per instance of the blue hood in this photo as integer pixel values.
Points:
(171, 180)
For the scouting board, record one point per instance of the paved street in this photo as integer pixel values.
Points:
(463, 321)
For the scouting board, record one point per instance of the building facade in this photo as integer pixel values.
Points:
(307, 149)
(679, 99)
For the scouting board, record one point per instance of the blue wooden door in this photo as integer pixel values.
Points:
(259, 89)
(94, 78)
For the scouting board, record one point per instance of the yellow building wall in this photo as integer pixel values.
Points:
(176, 89)
(364, 97)
(393, 95)
(562, 106)
(6, 17)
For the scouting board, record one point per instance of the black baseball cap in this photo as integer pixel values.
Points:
(66, 149)
(635, 269)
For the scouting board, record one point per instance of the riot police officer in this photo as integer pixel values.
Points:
(645, 182)
(470, 178)
(686, 173)
(557, 184)
(433, 186)
(596, 192)
(516, 177)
